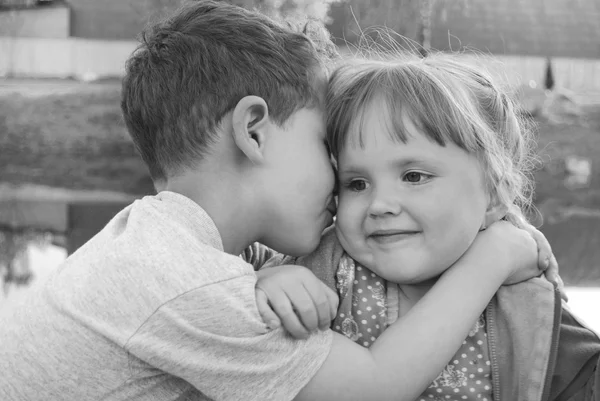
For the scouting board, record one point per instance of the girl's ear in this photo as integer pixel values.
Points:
(250, 120)
(495, 212)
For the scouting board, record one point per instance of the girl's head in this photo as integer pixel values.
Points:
(429, 151)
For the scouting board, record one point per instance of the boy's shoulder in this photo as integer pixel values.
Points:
(150, 253)
(171, 235)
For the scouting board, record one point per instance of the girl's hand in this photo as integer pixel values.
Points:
(546, 258)
(510, 247)
(293, 296)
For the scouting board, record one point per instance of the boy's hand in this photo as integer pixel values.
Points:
(546, 258)
(293, 296)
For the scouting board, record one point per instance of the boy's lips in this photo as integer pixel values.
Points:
(330, 212)
(331, 207)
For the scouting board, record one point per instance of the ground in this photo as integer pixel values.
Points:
(71, 135)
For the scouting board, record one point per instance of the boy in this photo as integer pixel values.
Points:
(224, 106)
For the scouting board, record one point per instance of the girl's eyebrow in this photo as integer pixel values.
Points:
(398, 164)
(409, 162)
(350, 171)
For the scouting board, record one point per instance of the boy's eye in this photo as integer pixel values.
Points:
(416, 177)
(357, 185)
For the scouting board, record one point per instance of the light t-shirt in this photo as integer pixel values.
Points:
(151, 308)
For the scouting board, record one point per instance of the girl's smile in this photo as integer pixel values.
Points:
(385, 237)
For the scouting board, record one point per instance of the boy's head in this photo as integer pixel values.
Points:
(193, 68)
(218, 96)
(428, 151)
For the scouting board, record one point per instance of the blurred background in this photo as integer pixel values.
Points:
(67, 165)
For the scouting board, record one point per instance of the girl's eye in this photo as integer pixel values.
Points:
(415, 177)
(357, 185)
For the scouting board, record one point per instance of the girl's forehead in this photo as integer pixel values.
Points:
(380, 120)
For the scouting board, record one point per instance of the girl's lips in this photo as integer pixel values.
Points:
(391, 236)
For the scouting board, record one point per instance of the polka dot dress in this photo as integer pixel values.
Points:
(362, 313)
(362, 317)
(468, 375)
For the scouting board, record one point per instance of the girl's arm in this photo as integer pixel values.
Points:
(409, 355)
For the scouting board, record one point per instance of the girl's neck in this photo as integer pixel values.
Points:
(410, 294)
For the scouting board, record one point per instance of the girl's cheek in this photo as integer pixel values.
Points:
(349, 213)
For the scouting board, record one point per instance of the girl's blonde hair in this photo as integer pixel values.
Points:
(448, 100)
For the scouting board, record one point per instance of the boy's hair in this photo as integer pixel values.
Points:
(449, 100)
(194, 67)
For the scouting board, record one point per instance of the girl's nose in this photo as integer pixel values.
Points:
(385, 202)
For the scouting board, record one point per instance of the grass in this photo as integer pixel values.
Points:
(71, 140)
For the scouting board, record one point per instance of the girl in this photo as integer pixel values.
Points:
(430, 152)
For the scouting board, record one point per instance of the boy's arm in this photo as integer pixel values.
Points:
(213, 338)
(302, 300)
(291, 295)
(408, 356)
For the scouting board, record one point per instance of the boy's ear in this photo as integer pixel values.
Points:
(495, 212)
(250, 120)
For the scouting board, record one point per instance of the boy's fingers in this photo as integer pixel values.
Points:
(304, 307)
(321, 303)
(543, 246)
(282, 305)
(553, 276)
(544, 258)
(265, 311)
(552, 269)
(550, 265)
